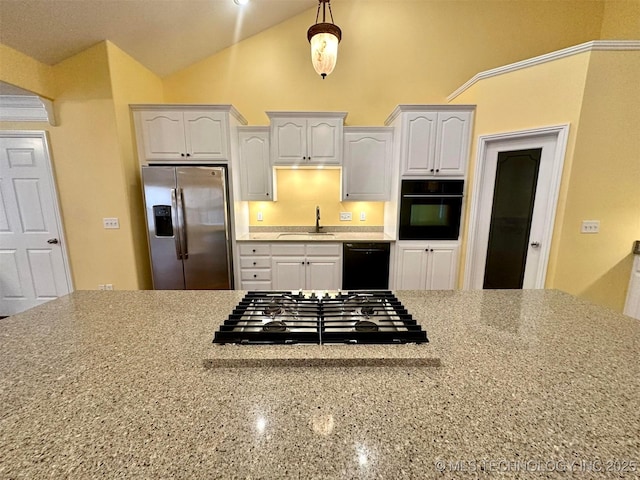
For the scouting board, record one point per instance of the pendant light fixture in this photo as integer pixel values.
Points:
(324, 38)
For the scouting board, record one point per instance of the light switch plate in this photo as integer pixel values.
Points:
(345, 216)
(260, 216)
(111, 222)
(363, 216)
(590, 226)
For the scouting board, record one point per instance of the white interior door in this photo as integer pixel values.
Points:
(552, 141)
(33, 263)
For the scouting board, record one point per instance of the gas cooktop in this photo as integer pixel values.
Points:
(369, 317)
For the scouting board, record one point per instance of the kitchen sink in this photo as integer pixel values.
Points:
(304, 235)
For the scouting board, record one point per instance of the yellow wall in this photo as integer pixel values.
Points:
(547, 94)
(391, 53)
(621, 20)
(132, 83)
(301, 190)
(91, 183)
(93, 156)
(25, 72)
(597, 94)
(604, 183)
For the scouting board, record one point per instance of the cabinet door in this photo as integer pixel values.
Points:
(418, 143)
(163, 135)
(323, 273)
(288, 273)
(412, 266)
(442, 267)
(366, 173)
(289, 141)
(452, 143)
(206, 135)
(324, 141)
(255, 167)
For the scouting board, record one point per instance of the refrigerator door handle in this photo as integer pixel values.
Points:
(176, 221)
(183, 227)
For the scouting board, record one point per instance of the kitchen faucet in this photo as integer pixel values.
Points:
(318, 227)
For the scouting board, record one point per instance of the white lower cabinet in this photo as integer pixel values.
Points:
(310, 266)
(255, 266)
(290, 266)
(632, 305)
(426, 266)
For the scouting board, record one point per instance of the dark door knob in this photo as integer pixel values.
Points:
(52, 241)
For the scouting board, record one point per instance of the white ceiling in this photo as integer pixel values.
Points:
(164, 35)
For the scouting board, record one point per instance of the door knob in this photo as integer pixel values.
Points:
(52, 241)
(535, 244)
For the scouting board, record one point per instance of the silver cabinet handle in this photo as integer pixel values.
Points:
(183, 226)
(535, 244)
(52, 241)
(175, 220)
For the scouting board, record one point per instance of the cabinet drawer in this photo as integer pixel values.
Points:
(288, 249)
(254, 249)
(255, 262)
(259, 285)
(251, 274)
(324, 249)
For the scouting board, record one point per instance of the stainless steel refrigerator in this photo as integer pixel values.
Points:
(187, 227)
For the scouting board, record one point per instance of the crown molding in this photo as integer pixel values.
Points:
(596, 45)
(26, 108)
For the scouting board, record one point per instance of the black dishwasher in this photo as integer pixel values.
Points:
(365, 266)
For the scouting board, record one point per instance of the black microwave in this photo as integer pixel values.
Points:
(430, 209)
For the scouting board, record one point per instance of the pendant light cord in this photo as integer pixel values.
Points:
(324, 3)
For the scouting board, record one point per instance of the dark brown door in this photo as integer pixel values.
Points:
(512, 209)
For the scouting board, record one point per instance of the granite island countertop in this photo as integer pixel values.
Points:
(126, 384)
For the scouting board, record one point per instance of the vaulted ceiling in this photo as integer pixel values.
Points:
(164, 35)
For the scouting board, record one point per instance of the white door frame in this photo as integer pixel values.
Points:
(41, 134)
(475, 258)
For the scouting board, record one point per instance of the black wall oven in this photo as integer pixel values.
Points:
(430, 209)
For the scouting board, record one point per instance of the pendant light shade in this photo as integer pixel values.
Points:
(324, 38)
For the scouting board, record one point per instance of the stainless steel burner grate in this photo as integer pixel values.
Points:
(353, 317)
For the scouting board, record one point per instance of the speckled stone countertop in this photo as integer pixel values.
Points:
(527, 384)
(338, 236)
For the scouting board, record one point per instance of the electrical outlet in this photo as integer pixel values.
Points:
(363, 216)
(101, 287)
(111, 222)
(108, 286)
(259, 216)
(345, 216)
(590, 226)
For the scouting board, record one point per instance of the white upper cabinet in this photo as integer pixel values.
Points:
(309, 138)
(366, 173)
(452, 143)
(419, 142)
(256, 174)
(183, 133)
(434, 139)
